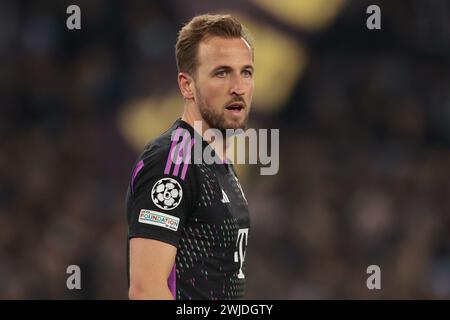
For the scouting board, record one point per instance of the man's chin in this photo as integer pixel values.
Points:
(227, 124)
(235, 125)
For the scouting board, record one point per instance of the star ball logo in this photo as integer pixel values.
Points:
(167, 194)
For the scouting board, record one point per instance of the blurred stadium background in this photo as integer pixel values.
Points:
(364, 119)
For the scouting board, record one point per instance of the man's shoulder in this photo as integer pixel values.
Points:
(170, 153)
(160, 147)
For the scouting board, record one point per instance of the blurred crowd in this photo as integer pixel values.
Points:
(363, 182)
(364, 173)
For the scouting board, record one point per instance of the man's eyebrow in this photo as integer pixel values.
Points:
(225, 68)
(228, 68)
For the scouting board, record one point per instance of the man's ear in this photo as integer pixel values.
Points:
(186, 84)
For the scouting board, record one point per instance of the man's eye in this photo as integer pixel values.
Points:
(221, 74)
(247, 73)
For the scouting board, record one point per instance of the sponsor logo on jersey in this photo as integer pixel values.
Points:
(159, 219)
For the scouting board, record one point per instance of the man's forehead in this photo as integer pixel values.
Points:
(213, 48)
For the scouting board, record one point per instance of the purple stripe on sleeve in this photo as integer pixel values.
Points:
(172, 281)
(172, 147)
(180, 153)
(188, 159)
(138, 168)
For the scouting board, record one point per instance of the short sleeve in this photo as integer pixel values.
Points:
(161, 197)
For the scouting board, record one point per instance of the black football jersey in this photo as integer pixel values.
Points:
(177, 198)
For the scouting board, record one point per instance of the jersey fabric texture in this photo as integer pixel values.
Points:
(177, 198)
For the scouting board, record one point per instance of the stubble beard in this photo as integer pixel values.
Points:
(216, 118)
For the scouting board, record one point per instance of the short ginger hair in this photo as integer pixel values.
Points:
(200, 28)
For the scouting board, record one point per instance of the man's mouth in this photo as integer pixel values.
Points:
(235, 108)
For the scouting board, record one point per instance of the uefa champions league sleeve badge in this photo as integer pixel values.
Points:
(167, 194)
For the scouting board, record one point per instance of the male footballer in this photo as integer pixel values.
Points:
(188, 221)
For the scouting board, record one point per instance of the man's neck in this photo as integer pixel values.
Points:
(190, 118)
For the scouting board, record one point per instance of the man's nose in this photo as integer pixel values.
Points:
(237, 85)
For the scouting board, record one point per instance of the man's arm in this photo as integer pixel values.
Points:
(151, 262)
